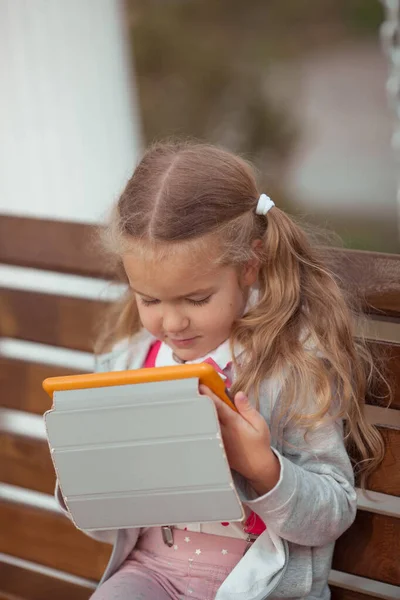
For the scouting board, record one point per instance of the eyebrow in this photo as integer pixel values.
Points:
(206, 291)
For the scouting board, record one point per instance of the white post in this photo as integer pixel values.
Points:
(69, 134)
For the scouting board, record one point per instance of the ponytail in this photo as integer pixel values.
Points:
(302, 327)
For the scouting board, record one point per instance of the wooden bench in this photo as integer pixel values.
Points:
(42, 555)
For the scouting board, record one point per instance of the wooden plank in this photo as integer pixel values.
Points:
(50, 539)
(375, 276)
(49, 319)
(390, 467)
(51, 245)
(370, 548)
(386, 479)
(338, 593)
(68, 247)
(362, 585)
(26, 462)
(21, 381)
(18, 582)
(21, 384)
(389, 355)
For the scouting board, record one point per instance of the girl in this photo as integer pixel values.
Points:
(217, 272)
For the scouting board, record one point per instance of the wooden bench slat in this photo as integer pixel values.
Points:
(68, 247)
(17, 582)
(21, 384)
(26, 462)
(374, 275)
(50, 539)
(386, 479)
(53, 245)
(49, 319)
(338, 593)
(21, 381)
(370, 548)
(390, 355)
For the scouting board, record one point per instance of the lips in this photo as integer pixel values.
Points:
(183, 343)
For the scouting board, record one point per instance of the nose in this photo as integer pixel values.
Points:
(174, 321)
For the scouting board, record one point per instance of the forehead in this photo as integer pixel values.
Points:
(171, 272)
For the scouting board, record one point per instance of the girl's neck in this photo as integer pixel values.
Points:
(178, 360)
(211, 352)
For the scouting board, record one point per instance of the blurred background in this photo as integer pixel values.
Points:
(299, 87)
(296, 86)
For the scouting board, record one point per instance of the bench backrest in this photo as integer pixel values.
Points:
(42, 555)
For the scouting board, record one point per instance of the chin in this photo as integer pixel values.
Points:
(193, 353)
(188, 354)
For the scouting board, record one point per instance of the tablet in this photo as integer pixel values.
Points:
(204, 372)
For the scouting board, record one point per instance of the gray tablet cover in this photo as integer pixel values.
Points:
(141, 455)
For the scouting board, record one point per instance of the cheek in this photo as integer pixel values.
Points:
(231, 303)
(148, 318)
(219, 316)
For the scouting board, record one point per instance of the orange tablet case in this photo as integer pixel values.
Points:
(203, 371)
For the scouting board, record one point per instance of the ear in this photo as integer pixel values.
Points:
(251, 268)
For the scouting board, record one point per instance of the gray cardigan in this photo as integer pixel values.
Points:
(313, 503)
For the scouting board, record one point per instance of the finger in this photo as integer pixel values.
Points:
(223, 410)
(247, 410)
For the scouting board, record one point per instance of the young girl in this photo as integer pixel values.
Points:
(218, 273)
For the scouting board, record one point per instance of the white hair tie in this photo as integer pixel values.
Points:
(264, 204)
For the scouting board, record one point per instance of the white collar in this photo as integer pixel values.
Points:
(222, 356)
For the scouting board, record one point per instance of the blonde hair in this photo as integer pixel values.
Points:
(301, 327)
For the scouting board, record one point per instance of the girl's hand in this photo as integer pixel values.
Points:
(247, 441)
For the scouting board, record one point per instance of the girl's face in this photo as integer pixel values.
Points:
(186, 303)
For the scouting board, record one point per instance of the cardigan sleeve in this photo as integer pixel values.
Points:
(314, 501)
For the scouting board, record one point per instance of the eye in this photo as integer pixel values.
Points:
(200, 302)
(148, 302)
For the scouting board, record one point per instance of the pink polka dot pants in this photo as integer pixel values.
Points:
(192, 569)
